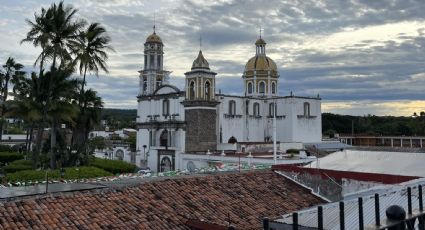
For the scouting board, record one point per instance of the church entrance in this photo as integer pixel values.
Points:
(166, 160)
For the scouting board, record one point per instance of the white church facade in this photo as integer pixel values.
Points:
(197, 120)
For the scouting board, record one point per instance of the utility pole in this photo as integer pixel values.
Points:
(274, 134)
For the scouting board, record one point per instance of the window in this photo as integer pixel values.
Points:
(256, 111)
(207, 90)
(151, 61)
(262, 87)
(249, 88)
(232, 107)
(192, 90)
(306, 109)
(158, 61)
(232, 140)
(166, 107)
(273, 88)
(145, 84)
(163, 139)
(272, 107)
(158, 83)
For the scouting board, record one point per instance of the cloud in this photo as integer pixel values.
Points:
(358, 52)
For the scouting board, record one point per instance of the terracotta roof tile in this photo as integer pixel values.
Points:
(242, 199)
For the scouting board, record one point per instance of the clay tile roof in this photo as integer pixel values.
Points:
(242, 199)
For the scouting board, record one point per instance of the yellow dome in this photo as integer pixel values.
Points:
(154, 38)
(260, 63)
(260, 41)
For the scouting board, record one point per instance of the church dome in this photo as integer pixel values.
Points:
(153, 38)
(260, 41)
(200, 62)
(260, 63)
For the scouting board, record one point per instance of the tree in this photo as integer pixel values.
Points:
(90, 51)
(12, 70)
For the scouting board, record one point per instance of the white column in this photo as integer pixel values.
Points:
(197, 88)
(421, 143)
(401, 142)
(392, 142)
(411, 143)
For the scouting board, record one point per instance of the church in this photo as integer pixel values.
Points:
(198, 119)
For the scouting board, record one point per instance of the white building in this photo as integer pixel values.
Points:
(172, 121)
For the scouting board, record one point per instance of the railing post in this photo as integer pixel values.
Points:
(320, 218)
(409, 200)
(361, 223)
(295, 221)
(266, 223)
(341, 216)
(377, 213)
(421, 204)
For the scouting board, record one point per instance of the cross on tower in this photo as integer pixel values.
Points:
(154, 15)
(260, 31)
(200, 42)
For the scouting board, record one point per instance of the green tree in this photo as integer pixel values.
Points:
(90, 49)
(12, 70)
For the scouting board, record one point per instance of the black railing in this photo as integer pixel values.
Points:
(396, 216)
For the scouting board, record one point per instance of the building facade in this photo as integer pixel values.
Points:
(171, 121)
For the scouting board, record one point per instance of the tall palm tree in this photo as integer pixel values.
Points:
(53, 30)
(12, 70)
(90, 51)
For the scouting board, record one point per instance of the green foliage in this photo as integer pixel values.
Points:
(18, 165)
(119, 118)
(15, 130)
(6, 157)
(5, 148)
(70, 174)
(113, 166)
(373, 125)
(292, 151)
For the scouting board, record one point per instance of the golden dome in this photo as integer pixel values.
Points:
(153, 38)
(260, 41)
(260, 63)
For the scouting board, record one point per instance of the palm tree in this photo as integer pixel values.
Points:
(12, 70)
(90, 51)
(53, 30)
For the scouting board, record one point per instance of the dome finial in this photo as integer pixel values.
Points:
(260, 31)
(154, 21)
(200, 42)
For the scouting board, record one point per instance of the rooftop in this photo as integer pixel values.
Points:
(239, 199)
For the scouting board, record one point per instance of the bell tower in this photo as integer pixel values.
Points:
(200, 107)
(153, 75)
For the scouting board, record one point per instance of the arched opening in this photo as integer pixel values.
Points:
(166, 164)
(262, 87)
(250, 88)
(192, 90)
(256, 111)
(166, 107)
(232, 140)
(158, 83)
(145, 84)
(273, 88)
(207, 90)
(306, 109)
(272, 107)
(163, 139)
(232, 107)
(119, 155)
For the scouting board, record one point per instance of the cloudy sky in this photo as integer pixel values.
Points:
(361, 56)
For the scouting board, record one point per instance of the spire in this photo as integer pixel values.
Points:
(200, 62)
(154, 21)
(200, 42)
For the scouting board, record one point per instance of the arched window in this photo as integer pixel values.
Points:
(273, 88)
(249, 88)
(192, 90)
(262, 87)
(232, 107)
(166, 164)
(232, 140)
(207, 90)
(306, 109)
(256, 109)
(166, 107)
(272, 107)
(145, 84)
(152, 61)
(158, 61)
(158, 83)
(119, 155)
(163, 139)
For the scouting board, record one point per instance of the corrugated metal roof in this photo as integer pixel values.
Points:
(394, 163)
